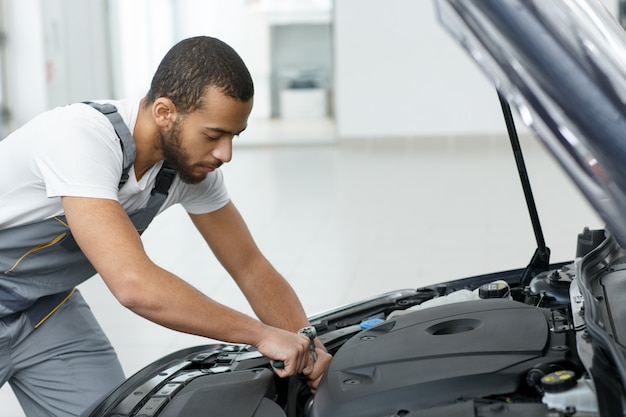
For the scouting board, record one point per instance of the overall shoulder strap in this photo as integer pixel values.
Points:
(164, 178)
(122, 131)
(158, 195)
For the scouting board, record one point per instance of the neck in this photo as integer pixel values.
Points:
(147, 140)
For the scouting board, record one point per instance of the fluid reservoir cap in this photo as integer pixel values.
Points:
(366, 324)
(493, 290)
(558, 381)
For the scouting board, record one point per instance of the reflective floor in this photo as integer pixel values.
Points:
(348, 221)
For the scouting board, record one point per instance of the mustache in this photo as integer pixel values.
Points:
(215, 164)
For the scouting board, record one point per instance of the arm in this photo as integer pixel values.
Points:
(108, 238)
(270, 295)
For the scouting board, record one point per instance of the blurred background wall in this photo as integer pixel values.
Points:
(343, 65)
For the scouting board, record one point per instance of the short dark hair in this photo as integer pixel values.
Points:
(195, 64)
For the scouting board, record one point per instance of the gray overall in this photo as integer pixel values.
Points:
(51, 366)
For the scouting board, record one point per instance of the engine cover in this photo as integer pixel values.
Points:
(437, 356)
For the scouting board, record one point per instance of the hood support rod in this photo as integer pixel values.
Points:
(540, 261)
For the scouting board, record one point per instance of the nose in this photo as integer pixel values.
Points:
(224, 149)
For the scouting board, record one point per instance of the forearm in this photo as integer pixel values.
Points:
(171, 302)
(275, 303)
(272, 298)
(165, 299)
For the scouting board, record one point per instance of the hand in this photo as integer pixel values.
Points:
(289, 348)
(315, 371)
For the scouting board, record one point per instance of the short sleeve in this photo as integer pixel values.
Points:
(84, 159)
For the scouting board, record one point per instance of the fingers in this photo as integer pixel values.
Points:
(317, 369)
(290, 355)
(289, 352)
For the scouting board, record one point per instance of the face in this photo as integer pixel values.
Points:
(200, 142)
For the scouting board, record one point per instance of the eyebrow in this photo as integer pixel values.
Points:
(220, 130)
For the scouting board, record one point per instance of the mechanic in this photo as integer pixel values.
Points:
(76, 193)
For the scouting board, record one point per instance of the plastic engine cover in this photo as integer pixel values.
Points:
(433, 357)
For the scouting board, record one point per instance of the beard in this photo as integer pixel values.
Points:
(175, 155)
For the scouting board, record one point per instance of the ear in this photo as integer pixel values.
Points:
(164, 112)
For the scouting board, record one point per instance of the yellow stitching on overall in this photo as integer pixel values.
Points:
(35, 249)
(55, 308)
(60, 220)
(39, 247)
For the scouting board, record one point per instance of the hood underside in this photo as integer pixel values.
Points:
(561, 64)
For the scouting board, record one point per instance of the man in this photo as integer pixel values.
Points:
(69, 208)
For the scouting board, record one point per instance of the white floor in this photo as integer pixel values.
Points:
(351, 220)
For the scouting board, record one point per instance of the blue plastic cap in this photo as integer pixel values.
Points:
(366, 324)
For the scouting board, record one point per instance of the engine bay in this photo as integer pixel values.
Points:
(492, 348)
(481, 346)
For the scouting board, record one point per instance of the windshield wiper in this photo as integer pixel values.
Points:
(540, 261)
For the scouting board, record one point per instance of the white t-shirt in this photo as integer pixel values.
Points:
(74, 151)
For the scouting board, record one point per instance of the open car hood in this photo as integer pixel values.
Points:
(562, 65)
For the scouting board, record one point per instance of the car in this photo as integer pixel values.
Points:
(547, 339)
